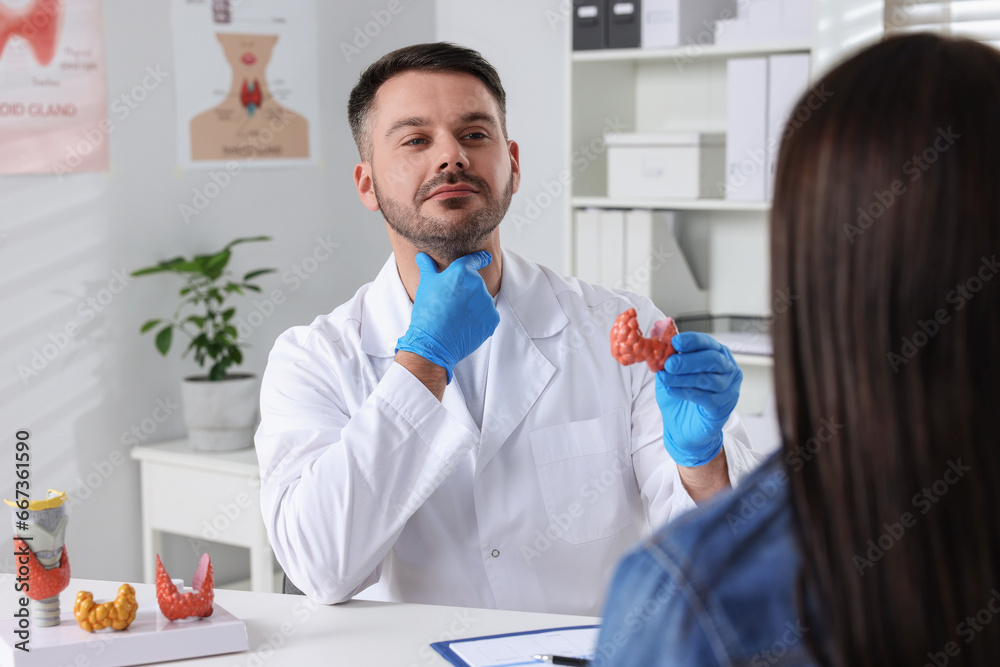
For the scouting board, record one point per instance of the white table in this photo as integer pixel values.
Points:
(292, 630)
(205, 495)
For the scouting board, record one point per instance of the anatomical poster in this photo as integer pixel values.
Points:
(53, 95)
(247, 83)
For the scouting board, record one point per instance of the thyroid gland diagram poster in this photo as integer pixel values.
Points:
(247, 83)
(53, 95)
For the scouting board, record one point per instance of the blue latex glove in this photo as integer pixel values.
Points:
(453, 312)
(696, 391)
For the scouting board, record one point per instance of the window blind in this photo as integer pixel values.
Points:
(976, 19)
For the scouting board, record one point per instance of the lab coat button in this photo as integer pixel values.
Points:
(495, 553)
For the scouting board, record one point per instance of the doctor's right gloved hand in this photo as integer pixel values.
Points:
(453, 312)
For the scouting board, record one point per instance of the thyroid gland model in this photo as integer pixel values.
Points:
(176, 605)
(38, 23)
(40, 553)
(629, 346)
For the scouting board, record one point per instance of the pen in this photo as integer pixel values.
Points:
(561, 660)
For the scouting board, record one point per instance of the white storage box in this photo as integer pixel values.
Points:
(683, 165)
(667, 23)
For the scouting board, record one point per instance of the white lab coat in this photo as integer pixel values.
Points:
(367, 478)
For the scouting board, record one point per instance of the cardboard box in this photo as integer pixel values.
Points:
(684, 165)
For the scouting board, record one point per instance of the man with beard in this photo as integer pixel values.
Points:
(458, 432)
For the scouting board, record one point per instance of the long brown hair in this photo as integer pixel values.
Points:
(886, 232)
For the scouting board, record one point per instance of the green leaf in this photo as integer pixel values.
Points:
(251, 287)
(228, 314)
(148, 270)
(237, 356)
(258, 272)
(218, 372)
(164, 338)
(196, 320)
(181, 265)
(247, 239)
(215, 264)
(230, 331)
(148, 325)
(233, 287)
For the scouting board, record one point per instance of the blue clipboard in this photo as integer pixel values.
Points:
(444, 648)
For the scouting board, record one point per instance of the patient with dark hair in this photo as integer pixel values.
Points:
(873, 536)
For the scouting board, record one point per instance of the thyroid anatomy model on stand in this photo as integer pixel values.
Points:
(40, 553)
(192, 605)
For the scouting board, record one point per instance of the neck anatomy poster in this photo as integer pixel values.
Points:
(247, 84)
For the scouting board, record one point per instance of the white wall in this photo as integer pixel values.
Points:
(527, 41)
(62, 240)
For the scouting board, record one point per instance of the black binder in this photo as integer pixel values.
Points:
(624, 21)
(588, 25)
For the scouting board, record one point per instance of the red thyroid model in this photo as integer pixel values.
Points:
(174, 604)
(628, 346)
(42, 583)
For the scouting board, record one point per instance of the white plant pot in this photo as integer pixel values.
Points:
(220, 416)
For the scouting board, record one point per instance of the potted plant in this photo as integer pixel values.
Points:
(220, 407)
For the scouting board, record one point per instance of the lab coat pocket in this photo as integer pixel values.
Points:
(581, 469)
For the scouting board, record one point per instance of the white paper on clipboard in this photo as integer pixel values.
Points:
(518, 649)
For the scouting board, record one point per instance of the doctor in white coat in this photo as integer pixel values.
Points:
(458, 432)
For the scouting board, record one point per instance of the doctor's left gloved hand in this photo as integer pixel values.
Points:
(696, 391)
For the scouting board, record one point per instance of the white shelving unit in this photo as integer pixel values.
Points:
(676, 90)
(707, 51)
(670, 204)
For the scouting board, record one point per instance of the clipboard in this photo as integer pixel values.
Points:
(515, 649)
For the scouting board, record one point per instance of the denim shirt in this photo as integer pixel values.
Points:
(715, 587)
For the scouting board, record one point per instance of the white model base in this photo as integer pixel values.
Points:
(151, 637)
